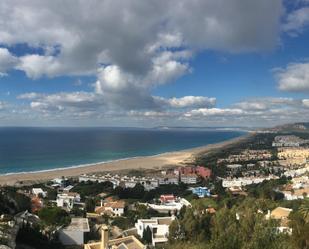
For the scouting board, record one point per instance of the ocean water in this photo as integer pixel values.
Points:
(36, 149)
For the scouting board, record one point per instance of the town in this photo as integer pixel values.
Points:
(263, 180)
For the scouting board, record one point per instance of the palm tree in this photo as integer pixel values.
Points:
(304, 210)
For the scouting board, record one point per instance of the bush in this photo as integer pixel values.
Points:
(92, 189)
(54, 216)
(35, 239)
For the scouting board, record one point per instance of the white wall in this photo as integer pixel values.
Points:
(71, 237)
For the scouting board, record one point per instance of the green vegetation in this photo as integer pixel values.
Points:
(202, 204)
(54, 216)
(252, 142)
(267, 189)
(147, 236)
(90, 204)
(238, 227)
(35, 239)
(12, 202)
(139, 193)
(122, 222)
(91, 189)
(131, 216)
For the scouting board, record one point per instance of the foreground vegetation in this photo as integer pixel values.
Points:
(240, 227)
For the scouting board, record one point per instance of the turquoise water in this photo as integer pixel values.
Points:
(35, 149)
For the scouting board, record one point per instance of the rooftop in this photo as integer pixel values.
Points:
(115, 204)
(280, 213)
(78, 224)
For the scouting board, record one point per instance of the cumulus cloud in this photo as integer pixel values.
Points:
(133, 46)
(88, 101)
(187, 110)
(265, 103)
(305, 103)
(188, 102)
(61, 102)
(131, 91)
(295, 77)
(296, 21)
(2, 105)
(7, 61)
(29, 96)
(130, 34)
(213, 112)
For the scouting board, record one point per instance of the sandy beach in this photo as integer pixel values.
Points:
(146, 162)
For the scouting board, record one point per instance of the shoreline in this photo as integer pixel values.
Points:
(158, 161)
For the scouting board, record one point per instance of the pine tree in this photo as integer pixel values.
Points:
(147, 235)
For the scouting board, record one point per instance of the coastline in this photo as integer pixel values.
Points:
(158, 161)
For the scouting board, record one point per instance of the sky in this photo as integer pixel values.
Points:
(154, 63)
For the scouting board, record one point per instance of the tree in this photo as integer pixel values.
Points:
(54, 216)
(147, 235)
(224, 232)
(304, 210)
(51, 194)
(33, 238)
(176, 232)
(300, 231)
(12, 202)
(91, 189)
(90, 205)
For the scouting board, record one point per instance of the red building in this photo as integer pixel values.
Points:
(167, 198)
(199, 170)
(186, 170)
(203, 172)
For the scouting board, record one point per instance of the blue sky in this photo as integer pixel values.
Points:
(115, 63)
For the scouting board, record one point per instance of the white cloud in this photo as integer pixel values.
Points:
(130, 91)
(188, 102)
(80, 107)
(75, 102)
(214, 112)
(2, 105)
(297, 21)
(305, 103)
(131, 46)
(29, 96)
(7, 61)
(295, 77)
(130, 34)
(135, 46)
(265, 103)
(97, 102)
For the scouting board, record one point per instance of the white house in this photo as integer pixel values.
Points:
(149, 183)
(188, 178)
(38, 192)
(125, 181)
(113, 208)
(68, 188)
(60, 182)
(296, 194)
(100, 179)
(168, 179)
(170, 206)
(67, 200)
(127, 242)
(74, 233)
(281, 214)
(243, 181)
(159, 227)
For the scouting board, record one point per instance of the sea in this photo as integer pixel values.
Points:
(40, 149)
